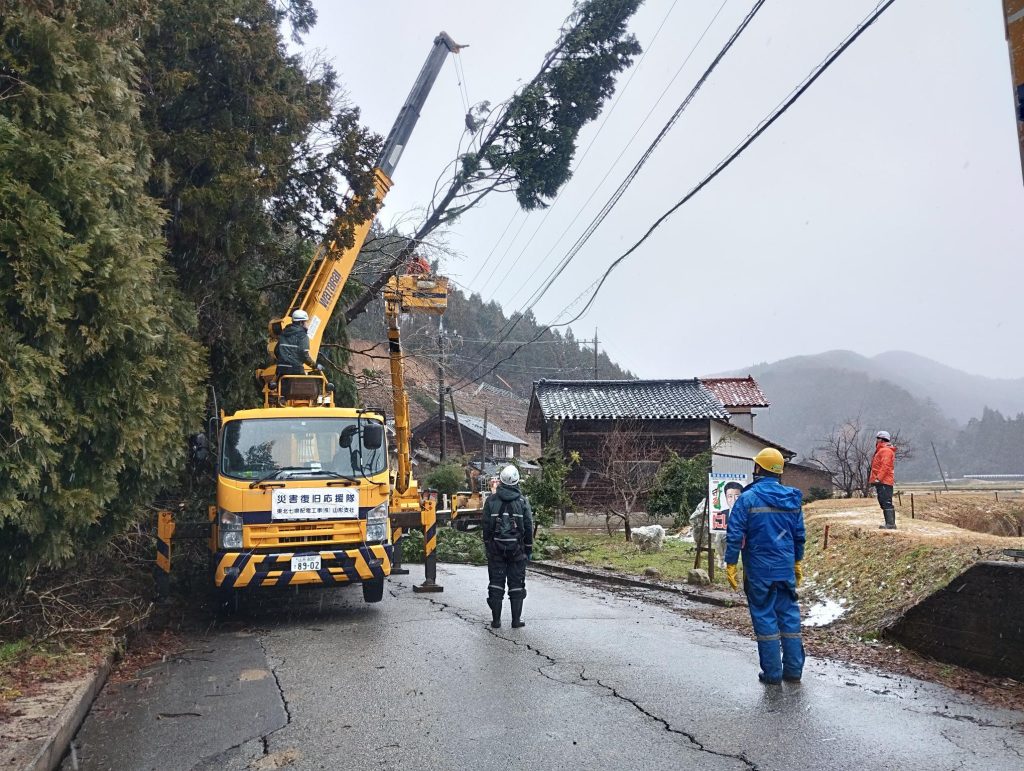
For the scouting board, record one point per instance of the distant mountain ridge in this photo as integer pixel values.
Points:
(926, 401)
(960, 395)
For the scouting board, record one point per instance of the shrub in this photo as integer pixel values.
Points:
(817, 494)
(447, 478)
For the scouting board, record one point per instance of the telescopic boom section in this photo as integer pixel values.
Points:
(407, 294)
(321, 287)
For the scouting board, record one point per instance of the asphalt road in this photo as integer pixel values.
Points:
(597, 679)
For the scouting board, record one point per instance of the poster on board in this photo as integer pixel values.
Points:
(723, 490)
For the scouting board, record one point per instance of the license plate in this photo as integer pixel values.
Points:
(306, 562)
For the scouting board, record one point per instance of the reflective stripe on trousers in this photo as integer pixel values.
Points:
(776, 619)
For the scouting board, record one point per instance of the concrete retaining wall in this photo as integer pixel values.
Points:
(977, 621)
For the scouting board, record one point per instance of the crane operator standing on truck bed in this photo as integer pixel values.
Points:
(292, 350)
(508, 538)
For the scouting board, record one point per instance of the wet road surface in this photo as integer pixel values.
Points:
(597, 679)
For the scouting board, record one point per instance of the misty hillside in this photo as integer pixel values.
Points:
(470, 326)
(924, 400)
(959, 395)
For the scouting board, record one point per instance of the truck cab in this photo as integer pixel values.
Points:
(302, 498)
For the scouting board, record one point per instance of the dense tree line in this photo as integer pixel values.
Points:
(471, 353)
(166, 170)
(991, 444)
(163, 170)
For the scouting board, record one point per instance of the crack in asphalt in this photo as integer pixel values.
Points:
(1011, 748)
(698, 745)
(964, 718)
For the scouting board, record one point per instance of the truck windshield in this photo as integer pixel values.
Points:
(302, 448)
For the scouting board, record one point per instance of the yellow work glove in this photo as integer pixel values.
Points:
(730, 573)
(798, 568)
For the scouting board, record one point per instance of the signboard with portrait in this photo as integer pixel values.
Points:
(315, 503)
(723, 490)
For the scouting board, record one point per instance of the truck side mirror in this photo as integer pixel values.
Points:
(373, 436)
(199, 455)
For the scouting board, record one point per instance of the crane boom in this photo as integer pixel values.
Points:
(321, 287)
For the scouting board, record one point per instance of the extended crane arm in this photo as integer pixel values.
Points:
(320, 289)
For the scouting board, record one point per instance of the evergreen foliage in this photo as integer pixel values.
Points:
(991, 444)
(470, 327)
(526, 144)
(546, 489)
(447, 478)
(680, 484)
(98, 372)
(250, 146)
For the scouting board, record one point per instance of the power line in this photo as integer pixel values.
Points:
(624, 185)
(619, 157)
(595, 223)
(593, 141)
(763, 126)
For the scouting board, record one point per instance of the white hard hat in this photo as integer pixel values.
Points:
(509, 476)
(883, 435)
(300, 315)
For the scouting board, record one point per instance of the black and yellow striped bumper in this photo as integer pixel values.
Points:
(363, 563)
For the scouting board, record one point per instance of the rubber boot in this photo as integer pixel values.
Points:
(517, 614)
(890, 519)
(495, 612)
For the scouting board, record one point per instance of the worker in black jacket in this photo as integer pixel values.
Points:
(292, 350)
(508, 538)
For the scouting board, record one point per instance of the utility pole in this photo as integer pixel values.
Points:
(595, 353)
(441, 422)
(483, 447)
(936, 454)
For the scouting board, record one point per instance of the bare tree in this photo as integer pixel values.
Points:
(846, 454)
(629, 462)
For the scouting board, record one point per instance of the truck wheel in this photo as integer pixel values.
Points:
(460, 525)
(373, 590)
(225, 601)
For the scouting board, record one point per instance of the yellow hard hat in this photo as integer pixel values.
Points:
(770, 459)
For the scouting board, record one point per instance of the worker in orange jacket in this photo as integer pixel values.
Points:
(883, 477)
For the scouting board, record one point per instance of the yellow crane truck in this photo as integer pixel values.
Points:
(306, 490)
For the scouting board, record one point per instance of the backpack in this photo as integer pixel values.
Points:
(508, 528)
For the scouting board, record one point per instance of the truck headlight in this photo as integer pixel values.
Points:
(230, 525)
(377, 523)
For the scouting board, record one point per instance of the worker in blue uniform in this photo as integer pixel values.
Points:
(766, 525)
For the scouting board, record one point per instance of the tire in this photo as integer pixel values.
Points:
(460, 525)
(227, 602)
(373, 590)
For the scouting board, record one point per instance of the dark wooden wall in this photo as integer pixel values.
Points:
(591, 492)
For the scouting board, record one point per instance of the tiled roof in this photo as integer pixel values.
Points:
(626, 399)
(737, 391)
(494, 433)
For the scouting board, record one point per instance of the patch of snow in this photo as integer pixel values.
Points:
(824, 613)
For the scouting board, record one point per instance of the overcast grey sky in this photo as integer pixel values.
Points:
(883, 211)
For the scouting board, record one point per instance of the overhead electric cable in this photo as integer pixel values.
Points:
(593, 140)
(622, 153)
(510, 326)
(624, 185)
(583, 158)
(763, 126)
